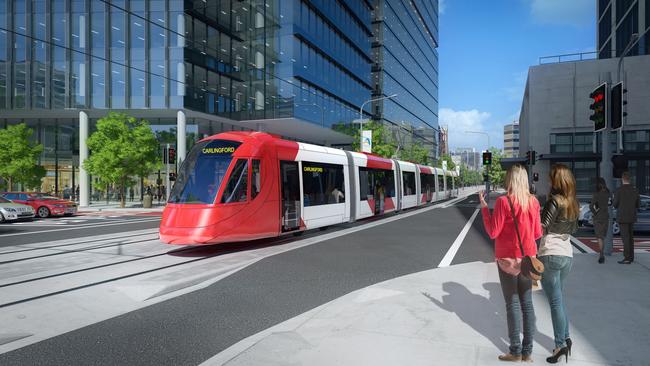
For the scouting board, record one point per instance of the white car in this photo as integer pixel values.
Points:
(10, 211)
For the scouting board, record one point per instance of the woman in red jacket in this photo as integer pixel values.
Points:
(500, 225)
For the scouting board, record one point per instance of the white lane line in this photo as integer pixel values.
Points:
(79, 227)
(581, 245)
(451, 253)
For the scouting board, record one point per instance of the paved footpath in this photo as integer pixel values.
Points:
(456, 316)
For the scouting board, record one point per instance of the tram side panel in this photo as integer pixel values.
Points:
(409, 183)
(325, 186)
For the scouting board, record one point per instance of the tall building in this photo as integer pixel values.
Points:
(468, 157)
(618, 20)
(511, 140)
(554, 120)
(443, 141)
(405, 64)
(298, 68)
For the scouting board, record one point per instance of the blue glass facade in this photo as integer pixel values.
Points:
(224, 62)
(406, 64)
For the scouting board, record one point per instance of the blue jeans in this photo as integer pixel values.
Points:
(556, 270)
(518, 296)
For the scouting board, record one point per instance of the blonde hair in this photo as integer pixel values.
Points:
(563, 188)
(516, 183)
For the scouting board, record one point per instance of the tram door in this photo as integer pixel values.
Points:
(289, 175)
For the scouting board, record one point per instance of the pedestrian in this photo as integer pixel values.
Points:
(131, 193)
(626, 203)
(599, 211)
(559, 221)
(506, 229)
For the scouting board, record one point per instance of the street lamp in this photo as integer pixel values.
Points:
(361, 114)
(482, 133)
(322, 109)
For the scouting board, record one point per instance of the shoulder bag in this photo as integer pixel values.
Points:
(531, 267)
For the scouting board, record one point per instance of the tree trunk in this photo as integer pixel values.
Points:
(108, 194)
(10, 182)
(122, 193)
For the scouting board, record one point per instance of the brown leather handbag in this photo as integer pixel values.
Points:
(531, 267)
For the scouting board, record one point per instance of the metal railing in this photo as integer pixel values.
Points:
(569, 57)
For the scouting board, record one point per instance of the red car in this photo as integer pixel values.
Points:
(44, 205)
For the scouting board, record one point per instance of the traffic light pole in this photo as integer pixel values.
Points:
(606, 170)
(167, 187)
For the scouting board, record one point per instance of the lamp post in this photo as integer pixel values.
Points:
(361, 115)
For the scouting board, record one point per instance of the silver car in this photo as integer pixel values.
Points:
(10, 211)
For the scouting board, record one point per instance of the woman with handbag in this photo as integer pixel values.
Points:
(599, 210)
(515, 225)
(559, 220)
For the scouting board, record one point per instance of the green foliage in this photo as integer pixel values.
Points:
(122, 148)
(384, 144)
(470, 177)
(19, 157)
(450, 163)
(496, 172)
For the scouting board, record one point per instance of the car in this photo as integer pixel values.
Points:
(642, 221)
(43, 204)
(10, 211)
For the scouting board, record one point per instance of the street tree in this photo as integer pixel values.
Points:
(122, 148)
(415, 153)
(450, 163)
(382, 143)
(19, 157)
(496, 172)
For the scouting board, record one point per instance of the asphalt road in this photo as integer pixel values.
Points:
(191, 328)
(51, 229)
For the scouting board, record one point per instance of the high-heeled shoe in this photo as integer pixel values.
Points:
(569, 343)
(557, 353)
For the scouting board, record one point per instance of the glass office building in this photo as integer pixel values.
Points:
(405, 63)
(292, 67)
(618, 20)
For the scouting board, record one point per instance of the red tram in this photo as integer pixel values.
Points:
(238, 186)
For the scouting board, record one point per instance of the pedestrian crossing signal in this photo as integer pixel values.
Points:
(172, 176)
(487, 158)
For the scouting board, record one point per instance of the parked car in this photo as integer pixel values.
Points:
(10, 211)
(43, 204)
(642, 221)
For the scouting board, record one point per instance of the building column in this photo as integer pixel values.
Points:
(180, 137)
(84, 189)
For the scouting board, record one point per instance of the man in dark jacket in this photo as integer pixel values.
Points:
(626, 202)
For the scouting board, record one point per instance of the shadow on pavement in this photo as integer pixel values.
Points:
(485, 315)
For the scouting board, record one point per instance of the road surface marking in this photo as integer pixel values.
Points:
(581, 246)
(451, 253)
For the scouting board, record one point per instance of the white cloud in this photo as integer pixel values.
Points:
(472, 120)
(564, 12)
(442, 6)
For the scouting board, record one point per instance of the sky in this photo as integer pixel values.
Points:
(485, 50)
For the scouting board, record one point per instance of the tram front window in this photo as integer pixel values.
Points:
(203, 171)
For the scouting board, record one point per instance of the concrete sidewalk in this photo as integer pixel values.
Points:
(134, 207)
(456, 316)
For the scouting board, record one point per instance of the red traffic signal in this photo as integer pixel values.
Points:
(599, 106)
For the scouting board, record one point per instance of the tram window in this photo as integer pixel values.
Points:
(256, 178)
(441, 183)
(203, 171)
(322, 184)
(409, 183)
(427, 184)
(237, 186)
(370, 179)
(448, 179)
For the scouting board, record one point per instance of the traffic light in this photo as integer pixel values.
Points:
(599, 106)
(620, 165)
(618, 101)
(172, 176)
(486, 177)
(171, 152)
(487, 158)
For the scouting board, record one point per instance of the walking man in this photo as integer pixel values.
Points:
(626, 202)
